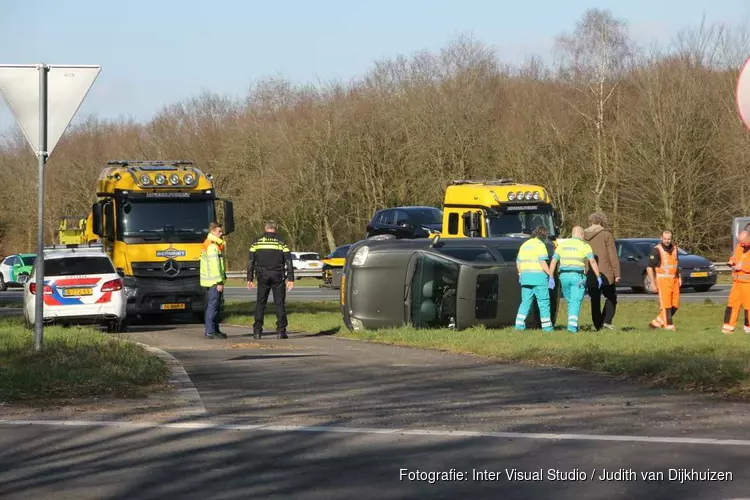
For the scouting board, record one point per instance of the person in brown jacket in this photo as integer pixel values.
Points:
(603, 244)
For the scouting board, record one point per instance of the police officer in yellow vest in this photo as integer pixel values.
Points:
(213, 276)
(535, 278)
(572, 253)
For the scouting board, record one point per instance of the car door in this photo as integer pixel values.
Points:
(386, 223)
(403, 225)
(631, 267)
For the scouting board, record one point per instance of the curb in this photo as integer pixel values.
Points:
(186, 391)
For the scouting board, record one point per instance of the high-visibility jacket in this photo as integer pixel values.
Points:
(529, 259)
(212, 262)
(573, 253)
(741, 260)
(668, 263)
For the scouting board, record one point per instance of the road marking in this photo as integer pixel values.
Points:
(365, 430)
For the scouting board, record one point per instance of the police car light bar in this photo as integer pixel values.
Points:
(58, 246)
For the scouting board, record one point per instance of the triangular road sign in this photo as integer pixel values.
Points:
(67, 87)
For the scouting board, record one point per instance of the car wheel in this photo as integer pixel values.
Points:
(647, 283)
(702, 288)
(3, 284)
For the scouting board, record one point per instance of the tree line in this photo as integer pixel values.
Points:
(651, 136)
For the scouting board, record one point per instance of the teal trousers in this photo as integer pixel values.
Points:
(573, 286)
(528, 292)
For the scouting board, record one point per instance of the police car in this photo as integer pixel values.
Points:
(81, 286)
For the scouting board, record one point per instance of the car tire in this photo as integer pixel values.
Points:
(647, 283)
(702, 288)
(3, 284)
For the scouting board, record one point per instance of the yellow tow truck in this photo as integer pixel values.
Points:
(152, 218)
(501, 207)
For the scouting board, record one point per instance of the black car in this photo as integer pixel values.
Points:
(439, 283)
(697, 271)
(405, 222)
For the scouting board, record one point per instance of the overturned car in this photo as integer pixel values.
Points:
(438, 283)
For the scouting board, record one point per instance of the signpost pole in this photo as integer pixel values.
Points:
(39, 263)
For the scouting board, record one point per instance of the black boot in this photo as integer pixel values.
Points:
(257, 334)
(281, 334)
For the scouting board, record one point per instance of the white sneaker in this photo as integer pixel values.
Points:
(609, 327)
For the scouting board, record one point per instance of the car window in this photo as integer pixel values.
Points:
(28, 260)
(470, 254)
(12, 261)
(7, 261)
(509, 254)
(340, 252)
(386, 217)
(426, 216)
(401, 217)
(78, 265)
(308, 256)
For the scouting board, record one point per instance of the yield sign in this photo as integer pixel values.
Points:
(67, 86)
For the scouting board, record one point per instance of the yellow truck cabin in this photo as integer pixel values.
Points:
(152, 218)
(492, 208)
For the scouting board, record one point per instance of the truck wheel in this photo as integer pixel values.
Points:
(3, 284)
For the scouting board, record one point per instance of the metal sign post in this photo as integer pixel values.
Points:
(43, 116)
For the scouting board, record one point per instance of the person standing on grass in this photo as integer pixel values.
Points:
(573, 253)
(603, 244)
(271, 261)
(739, 296)
(536, 279)
(664, 272)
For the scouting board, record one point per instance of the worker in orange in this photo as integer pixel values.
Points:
(739, 296)
(664, 272)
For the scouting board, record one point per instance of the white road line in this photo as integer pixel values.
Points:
(363, 430)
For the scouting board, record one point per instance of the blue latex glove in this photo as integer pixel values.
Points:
(551, 283)
(599, 281)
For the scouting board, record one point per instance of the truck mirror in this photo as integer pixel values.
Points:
(228, 217)
(97, 226)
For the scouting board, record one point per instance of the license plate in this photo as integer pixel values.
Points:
(699, 275)
(172, 306)
(77, 292)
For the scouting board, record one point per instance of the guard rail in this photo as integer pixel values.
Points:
(720, 267)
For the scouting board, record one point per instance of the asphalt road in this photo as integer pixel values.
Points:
(325, 418)
(301, 294)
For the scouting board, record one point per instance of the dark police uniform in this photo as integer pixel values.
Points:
(271, 261)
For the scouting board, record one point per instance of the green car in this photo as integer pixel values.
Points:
(15, 270)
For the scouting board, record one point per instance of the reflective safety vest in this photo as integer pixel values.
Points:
(212, 262)
(741, 261)
(573, 254)
(668, 265)
(530, 256)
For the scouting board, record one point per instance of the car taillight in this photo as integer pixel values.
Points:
(47, 289)
(112, 286)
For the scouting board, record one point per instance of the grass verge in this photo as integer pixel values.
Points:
(73, 363)
(304, 282)
(696, 357)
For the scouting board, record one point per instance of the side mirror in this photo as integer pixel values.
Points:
(120, 272)
(228, 217)
(97, 225)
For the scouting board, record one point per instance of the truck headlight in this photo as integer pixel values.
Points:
(360, 256)
(356, 324)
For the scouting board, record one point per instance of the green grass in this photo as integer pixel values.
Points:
(306, 282)
(73, 363)
(695, 357)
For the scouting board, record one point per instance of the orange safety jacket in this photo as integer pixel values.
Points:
(668, 263)
(741, 261)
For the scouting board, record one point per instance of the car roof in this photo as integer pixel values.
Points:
(406, 208)
(65, 251)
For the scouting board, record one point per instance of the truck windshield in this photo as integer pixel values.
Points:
(512, 221)
(169, 220)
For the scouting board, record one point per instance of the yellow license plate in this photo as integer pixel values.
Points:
(77, 292)
(699, 275)
(173, 306)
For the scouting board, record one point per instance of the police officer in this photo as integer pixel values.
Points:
(572, 254)
(269, 256)
(213, 275)
(535, 278)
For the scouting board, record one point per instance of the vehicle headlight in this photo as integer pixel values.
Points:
(511, 196)
(360, 256)
(712, 267)
(356, 324)
(174, 179)
(145, 179)
(188, 178)
(528, 195)
(160, 179)
(536, 195)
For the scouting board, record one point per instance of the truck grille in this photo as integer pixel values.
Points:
(169, 269)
